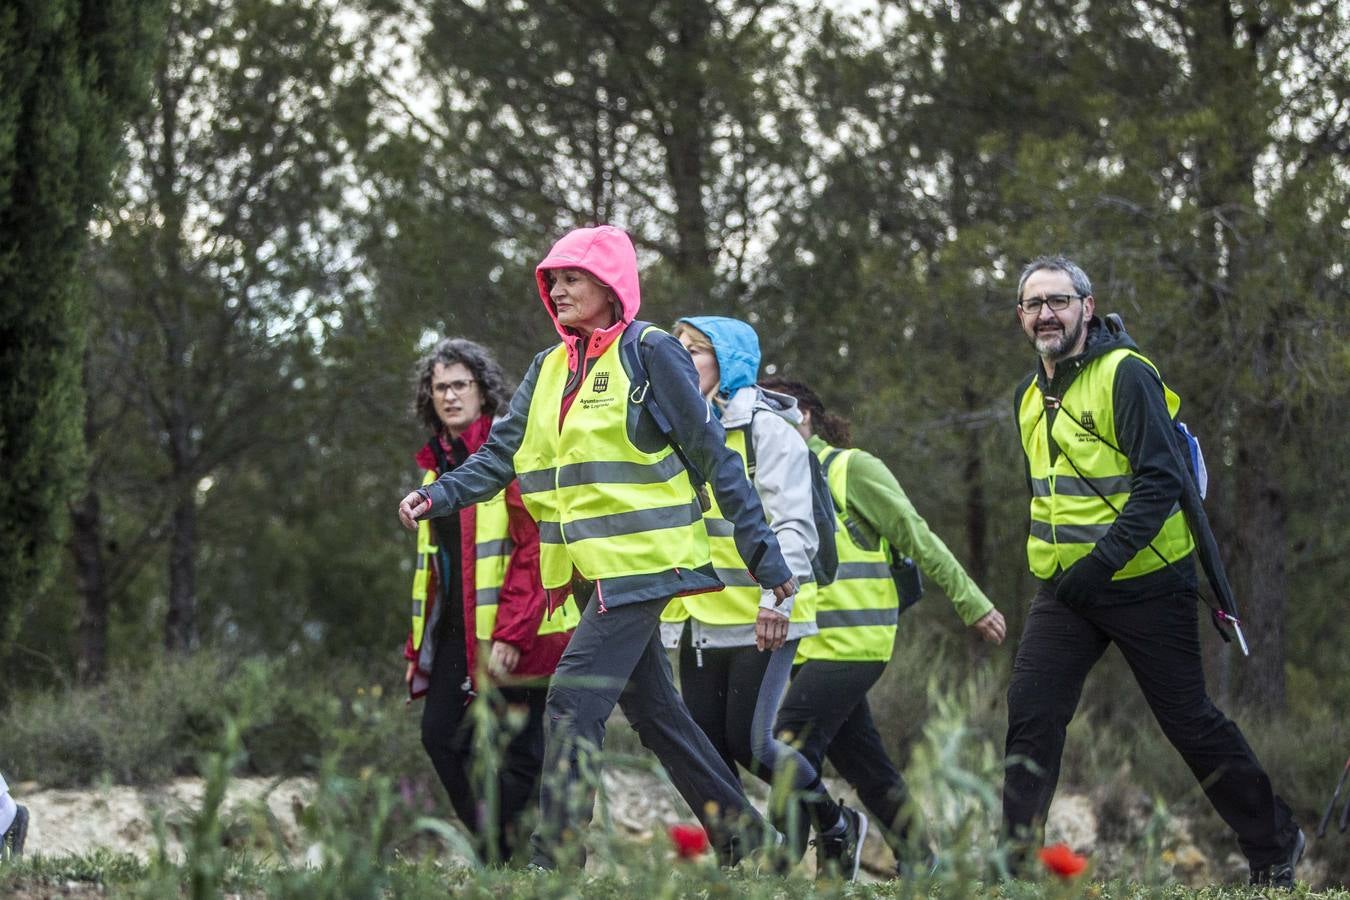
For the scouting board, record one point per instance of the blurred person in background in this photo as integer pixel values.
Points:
(479, 617)
(620, 524)
(826, 710)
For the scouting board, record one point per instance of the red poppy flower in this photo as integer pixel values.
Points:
(690, 840)
(1059, 859)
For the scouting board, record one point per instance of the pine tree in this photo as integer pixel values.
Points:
(70, 73)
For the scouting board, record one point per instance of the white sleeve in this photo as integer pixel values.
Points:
(783, 482)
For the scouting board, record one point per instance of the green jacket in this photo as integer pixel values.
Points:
(878, 504)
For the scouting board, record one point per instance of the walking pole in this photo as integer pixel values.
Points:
(1335, 795)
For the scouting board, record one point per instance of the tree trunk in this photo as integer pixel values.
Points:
(180, 625)
(86, 545)
(685, 146)
(1262, 583)
(977, 507)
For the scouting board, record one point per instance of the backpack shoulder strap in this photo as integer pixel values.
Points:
(442, 461)
(840, 502)
(630, 349)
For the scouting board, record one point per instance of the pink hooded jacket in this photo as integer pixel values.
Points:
(607, 254)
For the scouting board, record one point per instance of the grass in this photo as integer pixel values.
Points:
(378, 824)
(637, 874)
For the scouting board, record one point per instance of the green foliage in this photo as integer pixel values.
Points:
(180, 710)
(70, 74)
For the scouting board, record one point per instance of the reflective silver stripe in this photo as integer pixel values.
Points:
(1072, 486)
(417, 608)
(1068, 534)
(600, 472)
(1081, 534)
(487, 596)
(862, 570)
(736, 578)
(501, 547)
(620, 472)
(550, 533)
(851, 618)
(538, 480)
(720, 528)
(633, 522)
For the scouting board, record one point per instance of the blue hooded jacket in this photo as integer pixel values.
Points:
(736, 346)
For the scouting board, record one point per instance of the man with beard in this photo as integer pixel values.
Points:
(1115, 557)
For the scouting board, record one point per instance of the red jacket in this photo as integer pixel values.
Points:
(521, 605)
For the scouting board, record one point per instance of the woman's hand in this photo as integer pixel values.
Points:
(503, 659)
(784, 591)
(771, 628)
(991, 627)
(410, 508)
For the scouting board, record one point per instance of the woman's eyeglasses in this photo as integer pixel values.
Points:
(459, 386)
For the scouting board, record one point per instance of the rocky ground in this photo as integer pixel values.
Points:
(642, 806)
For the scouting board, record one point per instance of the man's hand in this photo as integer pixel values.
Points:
(784, 591)
(1083, 582)
(503, 659)
(408, 676)
(991, 627)
(410, 508)
(771, 628)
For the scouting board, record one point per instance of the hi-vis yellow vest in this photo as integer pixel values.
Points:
(1067, 515)
(857, 613)
(738, 602)
(603, 506)
(492, 554)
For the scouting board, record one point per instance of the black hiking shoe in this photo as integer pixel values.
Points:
(840, 854)
(11, 842)
(1281, 874)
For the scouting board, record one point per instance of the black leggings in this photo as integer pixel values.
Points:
(733, 694)
(825, 714)
(448, 736)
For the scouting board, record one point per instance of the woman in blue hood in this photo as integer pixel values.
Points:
(736, 646)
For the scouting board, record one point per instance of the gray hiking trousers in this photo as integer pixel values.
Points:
(615, 656)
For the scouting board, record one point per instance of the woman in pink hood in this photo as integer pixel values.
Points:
(620, 524)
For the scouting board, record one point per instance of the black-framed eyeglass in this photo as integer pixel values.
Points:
(1056, 302)
(456, 387)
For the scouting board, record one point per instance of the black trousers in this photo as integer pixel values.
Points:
(734, 693)
(1159, 638)
(826, 714)
(615, 656)
(721, 688)
(448, 735)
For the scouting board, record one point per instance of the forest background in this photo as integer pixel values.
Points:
(228, 228)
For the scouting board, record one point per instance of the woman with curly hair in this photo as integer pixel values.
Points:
(476, 588)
